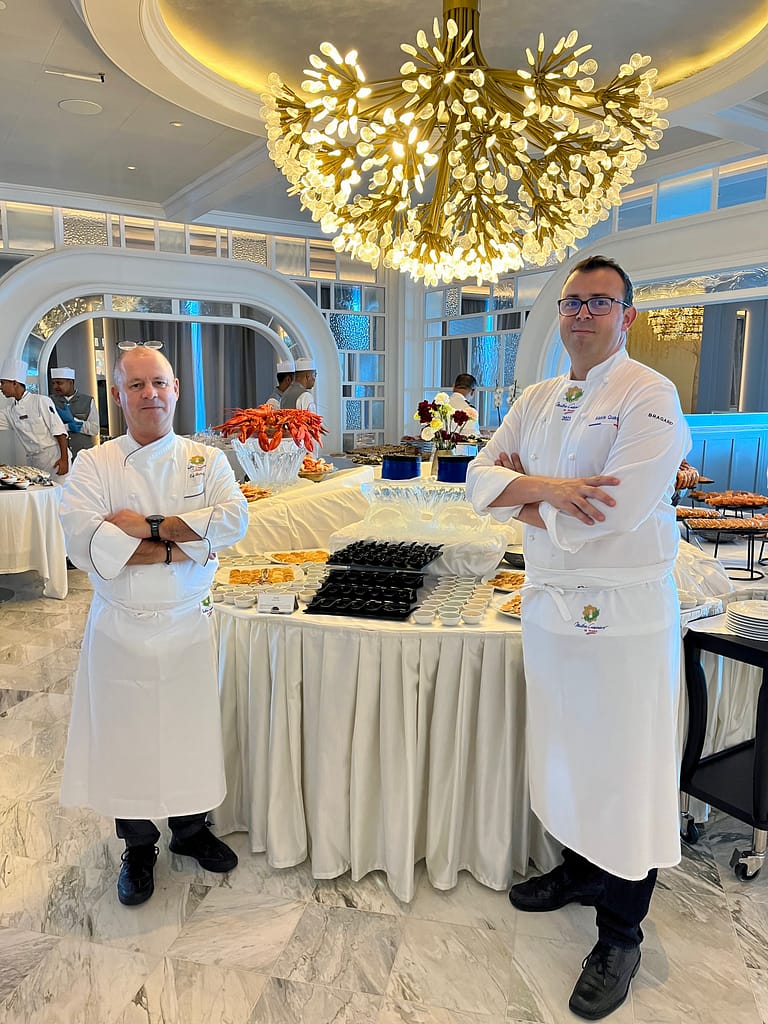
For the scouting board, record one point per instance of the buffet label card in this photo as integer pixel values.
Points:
(276, 604)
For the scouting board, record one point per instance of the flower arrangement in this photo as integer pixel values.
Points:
(272, 425)
(442, 423)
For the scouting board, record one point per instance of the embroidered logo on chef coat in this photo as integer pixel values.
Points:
(569, 402)
(589, 614)
(574, 394)
(195, 476)
(206, 606)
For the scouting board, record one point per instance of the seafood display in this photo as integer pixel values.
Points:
(271, 426)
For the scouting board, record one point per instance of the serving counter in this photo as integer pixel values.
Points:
(31, 536)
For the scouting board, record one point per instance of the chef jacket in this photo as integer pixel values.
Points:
(34, 420)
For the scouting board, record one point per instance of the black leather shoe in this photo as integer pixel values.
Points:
(604, 981)
(136, 881)
(209, 852)
(554, 890)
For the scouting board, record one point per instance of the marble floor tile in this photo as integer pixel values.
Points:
(48, 743)
(10, 698)
(42, 674)
(293, 1002)
(20, 654)
(759, 983)
(453, 967)
(20, 953)
(40, 707)
(44, 830)
(712, 989)
(178, 992)
(238, 930)
(339, 948)
(572, 924)
(696, 873)
(468, 903)
(77, 983)
(371, 893)
(22, 776)
(14, 734)
(688, 927)
(751, 920)
(398, 1011)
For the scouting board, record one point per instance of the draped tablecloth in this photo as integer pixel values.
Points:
(31, 536)
(373, 745)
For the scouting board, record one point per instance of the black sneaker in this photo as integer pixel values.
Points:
(604, 982)
(209, 852)
(554, 890)
(136, 881)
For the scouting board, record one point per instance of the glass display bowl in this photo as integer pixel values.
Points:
(273, 470)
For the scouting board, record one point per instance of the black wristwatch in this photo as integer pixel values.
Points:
(154, 526)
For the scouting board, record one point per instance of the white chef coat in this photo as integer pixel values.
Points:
(306, 402)
(34, 420)
(601, 630)
(145, 734)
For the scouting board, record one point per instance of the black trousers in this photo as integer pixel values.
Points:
(141, 832)
(621, 906)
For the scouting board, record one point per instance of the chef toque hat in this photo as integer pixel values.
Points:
(305, 364)
(14, 369)
(285, 367)
(63, 373)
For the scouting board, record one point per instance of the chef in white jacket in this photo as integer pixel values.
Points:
(144, 514)
(34, 421)
(587, 463)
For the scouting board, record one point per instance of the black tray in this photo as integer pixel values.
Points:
(400, 556)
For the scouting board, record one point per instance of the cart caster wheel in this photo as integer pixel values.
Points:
(743, 874)
(692, 833)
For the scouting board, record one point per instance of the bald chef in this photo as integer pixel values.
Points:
(77, 410)
(34, 421)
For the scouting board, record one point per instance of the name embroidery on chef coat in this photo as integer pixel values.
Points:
(195, 476)
(609, 418)
(569, 402)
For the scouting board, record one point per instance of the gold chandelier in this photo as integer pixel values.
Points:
(684, 323)
(456, 169)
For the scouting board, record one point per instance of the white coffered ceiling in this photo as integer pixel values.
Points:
(203, 63)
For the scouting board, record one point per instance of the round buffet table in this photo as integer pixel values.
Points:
(31, 536)
(371, 745)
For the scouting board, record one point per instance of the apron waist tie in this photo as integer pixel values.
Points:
(558, 593)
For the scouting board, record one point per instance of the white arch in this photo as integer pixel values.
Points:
(691, 246)
(29, 290)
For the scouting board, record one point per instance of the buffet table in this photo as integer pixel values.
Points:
(31, 536)
(372, 745)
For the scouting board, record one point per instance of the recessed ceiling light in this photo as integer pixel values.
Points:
(176, 124)
(97, 77)
(131, 167)
(3, 5)
(84, 107)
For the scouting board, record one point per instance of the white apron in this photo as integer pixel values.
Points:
(602, 670)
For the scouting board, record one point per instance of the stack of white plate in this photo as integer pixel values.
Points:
(748, 619)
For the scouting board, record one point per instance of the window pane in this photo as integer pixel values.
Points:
(116, 240)
(347, 296)
(484, 360)
(684, 197)
(373, 300)
(636, 213)
(202, 241)
(370, 368)
(511, 345)
(322, 260)
(196, 307)
(140, 304)
(172, 237)
(350, 332)
(354, 270)
(377, 328)
(504, 294)
(84, 228)
(353, 415)
(433, 305)
(139, 234)
(745, 186)
(29, 227)
(529, 286)
(472, 325)
(475, 299)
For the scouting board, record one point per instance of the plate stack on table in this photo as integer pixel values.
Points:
(748, 619)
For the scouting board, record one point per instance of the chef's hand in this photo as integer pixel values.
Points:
(511, 461)
(575, 497)
(61, 466)
(130, 522)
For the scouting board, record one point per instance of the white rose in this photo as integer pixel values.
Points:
(427, 434)
(441, 399)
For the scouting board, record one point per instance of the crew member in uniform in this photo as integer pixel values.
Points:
(587, 461)
(77, 410)
(284, 381)
(34, 421)
(144, 515)
(299, 394)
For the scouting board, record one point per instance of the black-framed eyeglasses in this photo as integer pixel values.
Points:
(126, 346)
(598, 305)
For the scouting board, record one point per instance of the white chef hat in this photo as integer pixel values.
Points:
(14, 369)
(285, 367)
(63, 373)
(305, 364)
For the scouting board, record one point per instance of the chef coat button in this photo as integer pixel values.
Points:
(534, 457)
(571, 456)
(531, 536)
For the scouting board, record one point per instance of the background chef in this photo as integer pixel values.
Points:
(299, 394)
(34, 421)
(284, 380)
(144, 514)
(77, 410)
(587, 461)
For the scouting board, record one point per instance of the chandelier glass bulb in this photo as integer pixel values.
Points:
(455, 169)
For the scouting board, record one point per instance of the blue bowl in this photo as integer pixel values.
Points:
(452, 469)
(400, 467)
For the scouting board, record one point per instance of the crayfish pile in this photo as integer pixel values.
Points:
(271, 426)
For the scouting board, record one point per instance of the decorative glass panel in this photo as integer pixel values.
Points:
(196, 307)
(508, 321)
(84, 228)
(743, 185)
(172, 237)
(322, 259)
(683, 197)
(350, 332)
(139, 234)
(29, 227)
(202, 241)
(140, 304)
(378, 325)
(529, 286)
(253, 249)
(472, 325)
(354, 270)
(347, 391)
(704, 284)
(435, 329)
(365, 390)
(353, 415)
(309, 288)
(261, 316)
(116, 239)
(31, 353)
(636, 213)
(347, 296)
(475, 298)
(373, 300)
(348, 442)
(83, 304)
(433, 305)
(484, 360)
(224, 245)
(504, 294)
(48, 323)
(599, 230)
(325, 296)
(370, 368)
(452, 302)
(376, 415)
(511, 344)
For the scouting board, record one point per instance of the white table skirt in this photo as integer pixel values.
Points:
(31, 536)
(373, 745)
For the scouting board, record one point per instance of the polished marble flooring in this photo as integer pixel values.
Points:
(262, 946)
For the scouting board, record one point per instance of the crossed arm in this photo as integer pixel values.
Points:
(172, 529)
